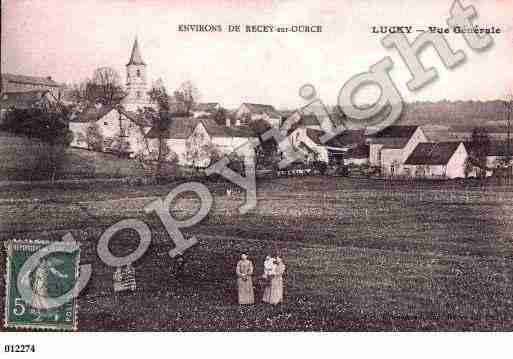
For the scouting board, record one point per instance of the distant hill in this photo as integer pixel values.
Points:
(460, 116)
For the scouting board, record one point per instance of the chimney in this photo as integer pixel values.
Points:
(228, 122)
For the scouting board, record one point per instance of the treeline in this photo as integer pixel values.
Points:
(453, 112)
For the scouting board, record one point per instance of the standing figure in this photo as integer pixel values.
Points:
(268, 266)
(244, 280)
(273, 293)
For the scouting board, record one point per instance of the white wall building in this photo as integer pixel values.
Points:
(191, 140)
(389, 148)
(444, 160)
(114, 124)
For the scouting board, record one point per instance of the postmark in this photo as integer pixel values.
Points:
(53, 274)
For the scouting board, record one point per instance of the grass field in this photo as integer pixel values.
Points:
(360, 255)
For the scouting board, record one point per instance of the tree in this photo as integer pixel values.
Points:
(120, 145)
(160, 119)
(468, 168)
(480, 146)
(187, 95)
(200, 152)
(94, 138)
(48, 123)
(220, 116)
(267, 154)
(105, 86)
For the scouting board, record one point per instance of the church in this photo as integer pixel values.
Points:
(136, 82)
(121, 127)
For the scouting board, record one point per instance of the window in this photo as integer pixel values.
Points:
(105, 123)
(138, 94)
(138, 73)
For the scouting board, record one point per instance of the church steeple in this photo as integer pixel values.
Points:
(135, 58)
(136, 84)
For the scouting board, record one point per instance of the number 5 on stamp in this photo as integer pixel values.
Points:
(53, 275)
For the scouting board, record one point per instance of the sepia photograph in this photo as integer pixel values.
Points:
(255, 166)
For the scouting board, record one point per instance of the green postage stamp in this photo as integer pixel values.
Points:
(49, 276)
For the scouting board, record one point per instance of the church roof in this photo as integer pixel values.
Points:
(135, 58)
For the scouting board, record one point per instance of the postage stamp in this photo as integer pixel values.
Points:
(53, 275)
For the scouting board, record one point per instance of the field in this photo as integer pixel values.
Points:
(360, 255)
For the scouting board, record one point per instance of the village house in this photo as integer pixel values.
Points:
(357, 155)
(304, 120)
(252, 112)
(194, 140)
(444, 160)
(23, 100)
(334, 151)
(119, 129)
(20, 83)
(389, 148)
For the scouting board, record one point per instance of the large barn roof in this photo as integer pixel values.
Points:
(438, 153)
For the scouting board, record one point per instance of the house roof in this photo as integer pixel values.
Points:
(136, 117)
(257, 108)
(178, 128)
(344, 139)
(92, 113)
(360, 151)
(308, 120)
(29, 80)
(438, 153)
(206, 106)
(396, 132)
(135, 58)
(21, 100)
(393, 137)
(183, 127)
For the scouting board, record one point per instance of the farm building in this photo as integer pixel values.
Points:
(389, 148)
(333, 151)
(253, 111)
(437, 160)
(193, 139)
(358, 155)
(21, 83)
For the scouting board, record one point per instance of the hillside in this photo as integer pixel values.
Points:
(21, 157)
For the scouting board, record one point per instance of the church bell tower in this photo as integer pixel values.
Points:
(136, 83)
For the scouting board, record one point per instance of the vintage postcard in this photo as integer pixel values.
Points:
(256, 166)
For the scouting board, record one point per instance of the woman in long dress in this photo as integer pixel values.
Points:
(245, 281)
(273, 293)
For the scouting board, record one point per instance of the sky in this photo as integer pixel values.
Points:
(69, 39)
